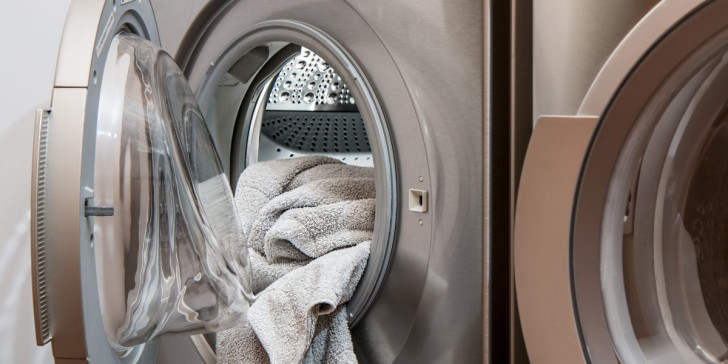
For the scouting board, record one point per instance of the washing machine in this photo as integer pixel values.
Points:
(620, 233)
(394, 85)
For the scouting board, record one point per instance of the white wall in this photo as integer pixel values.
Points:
(30, 32)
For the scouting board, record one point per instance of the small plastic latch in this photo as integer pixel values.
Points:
(418, 200)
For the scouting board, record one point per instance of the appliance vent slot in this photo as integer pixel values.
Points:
(38, 232)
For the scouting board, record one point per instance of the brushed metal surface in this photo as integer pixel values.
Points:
(175, 21)
(627, 54)
(571, 41)
(438, 49)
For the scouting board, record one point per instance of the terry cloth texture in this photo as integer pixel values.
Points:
(308, 223)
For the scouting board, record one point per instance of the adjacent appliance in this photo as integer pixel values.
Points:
(620, 234)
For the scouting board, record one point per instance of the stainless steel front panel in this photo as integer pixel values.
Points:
(571, 41)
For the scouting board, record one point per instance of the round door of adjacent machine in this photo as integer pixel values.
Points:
(621, 247)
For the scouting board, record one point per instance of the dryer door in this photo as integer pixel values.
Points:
(621, 235)
(135, 233)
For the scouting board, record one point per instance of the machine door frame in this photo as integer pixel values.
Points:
(65, 293)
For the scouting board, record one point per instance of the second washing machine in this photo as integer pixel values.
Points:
(620, 242)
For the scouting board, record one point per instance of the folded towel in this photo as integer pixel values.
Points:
(308, 223)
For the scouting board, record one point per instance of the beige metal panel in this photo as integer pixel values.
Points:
(77, 43)
(639, 40)
(572, 39)
(542, 234)
(63, 178)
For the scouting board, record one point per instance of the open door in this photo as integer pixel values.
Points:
(135, 232)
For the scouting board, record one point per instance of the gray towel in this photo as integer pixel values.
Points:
(285, 315)
(309, 222)
(265, 273)
(239, 345)
(308, 204)
(328, 182)
(261, 182)
(332, 342)
(315, 231)
(296, 317)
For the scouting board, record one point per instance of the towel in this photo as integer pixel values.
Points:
(312, 203)
(315, 231)
(285, 315)
(265, 273)
(261, 182)
(308, 223)
(332, 342)
(298, 318)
